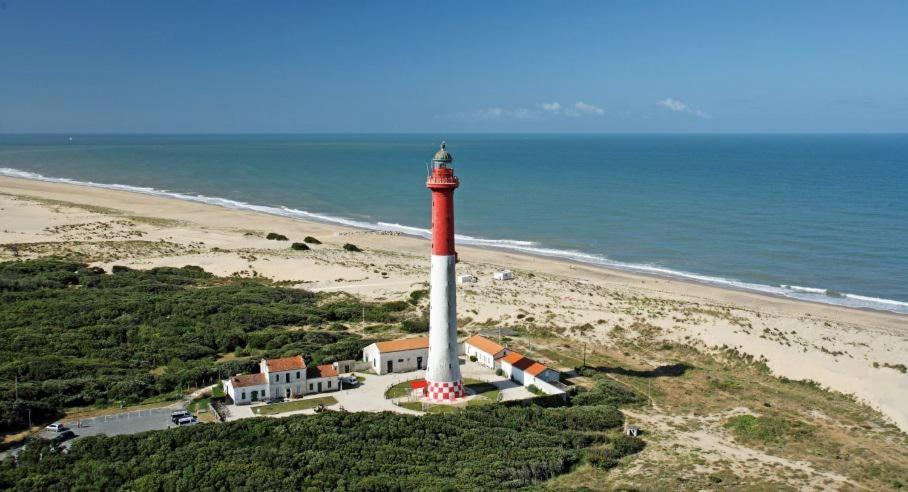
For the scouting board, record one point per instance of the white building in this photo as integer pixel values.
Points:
(503, 275)
(404, 355)
(467, 279)
(528, 372)
(287, 377)
(486, 351)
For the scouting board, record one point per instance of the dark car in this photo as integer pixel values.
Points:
(64, 436)
(276, 399)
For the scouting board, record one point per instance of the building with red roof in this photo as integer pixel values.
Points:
(285, 377)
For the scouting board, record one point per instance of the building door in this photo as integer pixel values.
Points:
(255, 395)
(319, 386)
(419, 362)
(288, 393)
(390, 366)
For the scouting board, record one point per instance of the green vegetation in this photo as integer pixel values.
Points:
(398, 390)
(291, 406)
(311, 240)
(352, 247)
(276, 237)
(608, 392)
(482, 447)
(767, 430)
(299, 247)
(75, 336)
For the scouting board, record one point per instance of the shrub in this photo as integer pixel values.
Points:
(473, 358)
(352, 247)
(311, 240)
(535, 389)
(276, 237)
(499, 372)
(299, 247)
(415, 325)
(418, 295)
(119, 269)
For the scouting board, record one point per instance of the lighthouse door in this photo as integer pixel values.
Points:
(390, 366)
(419, 362)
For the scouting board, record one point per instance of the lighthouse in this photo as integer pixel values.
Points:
(443, 381)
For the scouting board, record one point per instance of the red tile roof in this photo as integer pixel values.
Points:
(244, 380)
(403, 344)
(286, 364)
(484, 344)
(322, 371)
(525, 364)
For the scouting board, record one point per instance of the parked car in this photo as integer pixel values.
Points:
(181, 414)
(276, 399)
(56, 427)
(350, 381)
(187, 421)
(64, 436)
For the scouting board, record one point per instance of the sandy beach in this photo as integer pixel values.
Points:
(856, 352)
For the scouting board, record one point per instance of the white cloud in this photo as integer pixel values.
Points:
(680, 107)
(588, 108)
(540, 111)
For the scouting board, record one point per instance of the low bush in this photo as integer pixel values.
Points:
(276, 237)
(352, 247)
(299, 247)
(311, 240)
(473, 358)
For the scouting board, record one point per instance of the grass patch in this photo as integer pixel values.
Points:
(398, 390)
(767, 430)
(291, 406)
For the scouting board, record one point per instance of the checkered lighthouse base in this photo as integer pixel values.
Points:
(444, 390)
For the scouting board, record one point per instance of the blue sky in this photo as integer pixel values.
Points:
(82, 66)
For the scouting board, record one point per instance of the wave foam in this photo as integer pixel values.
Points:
(793, 291)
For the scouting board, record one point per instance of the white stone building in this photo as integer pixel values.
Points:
(486, 351)
(404, 355)
(528, 372)
(287, 377)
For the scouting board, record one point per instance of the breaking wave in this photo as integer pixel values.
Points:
(792, 291)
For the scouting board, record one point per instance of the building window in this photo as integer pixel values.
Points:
(243, 395)
(287, 377)
(297, 374)
(310, 386)
(277, 378)
(329, 383)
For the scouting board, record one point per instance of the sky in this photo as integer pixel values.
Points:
(84, 66)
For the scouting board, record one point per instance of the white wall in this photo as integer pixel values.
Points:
(483, 358)
(331, 383)
(402, 361)
(243, 395)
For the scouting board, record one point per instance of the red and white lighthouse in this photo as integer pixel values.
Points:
(443, 381)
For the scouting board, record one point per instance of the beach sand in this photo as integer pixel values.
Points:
(852, 351)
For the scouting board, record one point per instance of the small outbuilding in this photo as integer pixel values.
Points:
(467, 279)
(486, 351)
(503, 275)
(403, 355)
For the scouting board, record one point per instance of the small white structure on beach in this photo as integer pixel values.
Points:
(503, 275)
(467, 279)
(287, 377)
(403, 355)
(486, 351)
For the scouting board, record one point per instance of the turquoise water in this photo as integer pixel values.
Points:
(814, 217)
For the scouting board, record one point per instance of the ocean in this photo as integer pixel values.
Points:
(815, 217)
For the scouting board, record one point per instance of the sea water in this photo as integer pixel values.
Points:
(815, 217)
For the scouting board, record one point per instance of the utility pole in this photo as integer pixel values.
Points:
(363, 324)
(584, 354)
(499, 334)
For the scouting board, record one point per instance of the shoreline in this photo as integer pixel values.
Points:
(853, 351)
(528, 248)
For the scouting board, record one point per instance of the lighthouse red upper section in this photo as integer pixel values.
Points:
(442, 182)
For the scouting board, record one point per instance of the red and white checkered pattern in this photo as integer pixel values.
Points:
(444, 390)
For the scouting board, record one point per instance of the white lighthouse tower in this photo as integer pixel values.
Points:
(443, 381)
